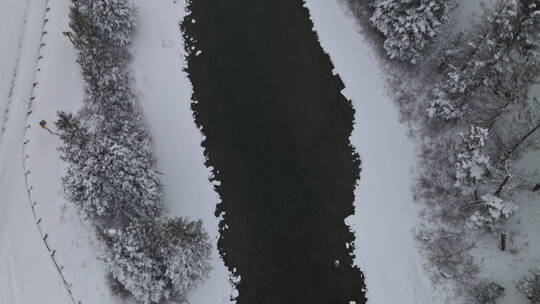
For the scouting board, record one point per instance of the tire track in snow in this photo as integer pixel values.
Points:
(5, 116)
(26, 171)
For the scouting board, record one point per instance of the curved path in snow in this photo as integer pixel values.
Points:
(13, 76)
(32, 202)
(23, 254)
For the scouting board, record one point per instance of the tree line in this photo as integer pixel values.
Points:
(466, 95)
(111, 170)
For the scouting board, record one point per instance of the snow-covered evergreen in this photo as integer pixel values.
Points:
(185, 250)
(135, 262)
(408, 25)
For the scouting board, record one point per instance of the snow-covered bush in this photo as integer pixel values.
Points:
(486, 293)
(530, 287)
(408, 25)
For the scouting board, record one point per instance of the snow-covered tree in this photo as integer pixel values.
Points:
(487, 73)
(491, 65)
(530, 287)
(134, 261)
(186, 250)
(475, 172)
(408, 25)
(492, 209)
(110, 178)
(75, 137)
(471, 163)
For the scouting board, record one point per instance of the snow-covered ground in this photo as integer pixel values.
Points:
(47, 71)
(28, 272)
(385, 212)
(11, 39)
(165, 96)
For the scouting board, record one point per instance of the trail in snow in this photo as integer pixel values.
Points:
(31, 276)
(33, 259)
(31, 202)
(5, 116)
(385, 214)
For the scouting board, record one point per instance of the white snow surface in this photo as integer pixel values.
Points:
(45, 69)
(385, 215)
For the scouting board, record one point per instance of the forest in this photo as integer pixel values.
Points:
(469, 96)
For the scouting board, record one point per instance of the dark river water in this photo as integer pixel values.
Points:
(277, 135)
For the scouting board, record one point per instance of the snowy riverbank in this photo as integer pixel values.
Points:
(385, 212)
(165, 96)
